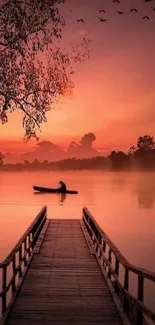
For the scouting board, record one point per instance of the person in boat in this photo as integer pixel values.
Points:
(63, 187)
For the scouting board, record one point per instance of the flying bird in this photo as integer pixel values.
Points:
(102, 10)
(120, 12)
(116, 1)
(82, 21)
(133, 9)
(103, 20)
(147, 0)
(146, 17)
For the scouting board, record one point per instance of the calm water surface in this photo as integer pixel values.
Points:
(122, 203)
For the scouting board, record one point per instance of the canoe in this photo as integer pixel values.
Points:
(52, 190)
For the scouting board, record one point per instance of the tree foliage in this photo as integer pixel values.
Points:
(144, 156)
(34, 72)
(119, 159)
(146, 142)
(132, 151)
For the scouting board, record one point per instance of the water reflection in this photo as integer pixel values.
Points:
(62, 197)
(40, 193)
(141, 184)
(146, 193)
(119, 182)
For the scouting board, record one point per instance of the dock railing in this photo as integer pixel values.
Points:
(111, 260)
(13, 267)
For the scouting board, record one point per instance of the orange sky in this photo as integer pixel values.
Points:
(114, 94)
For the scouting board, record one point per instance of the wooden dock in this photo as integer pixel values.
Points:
(64, 283)
(69, 272)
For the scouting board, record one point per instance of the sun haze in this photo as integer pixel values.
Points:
(114, 90)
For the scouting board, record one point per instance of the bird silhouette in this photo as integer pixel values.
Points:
(147, 0)
(116, 1)
(103, 20)
(82, 21)
(153, 8)
(120, 12)
(102, 10)
(146, 17)
(133, 9)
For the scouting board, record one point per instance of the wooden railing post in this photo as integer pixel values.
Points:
(140, 297)
(100, 251)
(20, 259)
(117, 273)
(25, 251)
(100, 245)
(29, 242)
(104, 249)
(126, 287)
(117, 266)
(13, 271)
(109, 259)
(128, 300)
(96, 242)
(104, 246)
(4, 285)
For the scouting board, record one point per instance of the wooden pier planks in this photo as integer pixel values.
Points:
(64, 284)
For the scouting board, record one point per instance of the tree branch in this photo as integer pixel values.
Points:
(23, 109)
(3, 44)
(27, 103)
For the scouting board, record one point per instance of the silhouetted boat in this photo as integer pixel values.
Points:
(52, 190)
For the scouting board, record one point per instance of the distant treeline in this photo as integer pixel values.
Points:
(142, 156)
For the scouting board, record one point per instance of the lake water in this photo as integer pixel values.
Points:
(123, 203)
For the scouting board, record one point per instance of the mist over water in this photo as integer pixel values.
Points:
(123, 203)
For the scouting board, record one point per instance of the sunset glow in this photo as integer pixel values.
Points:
(114, 91)
(77, 162)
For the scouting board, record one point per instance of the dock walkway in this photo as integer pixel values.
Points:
(64, 284)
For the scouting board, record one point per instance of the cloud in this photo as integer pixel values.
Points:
(47, 150)
(87, 140)
(85, 148)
